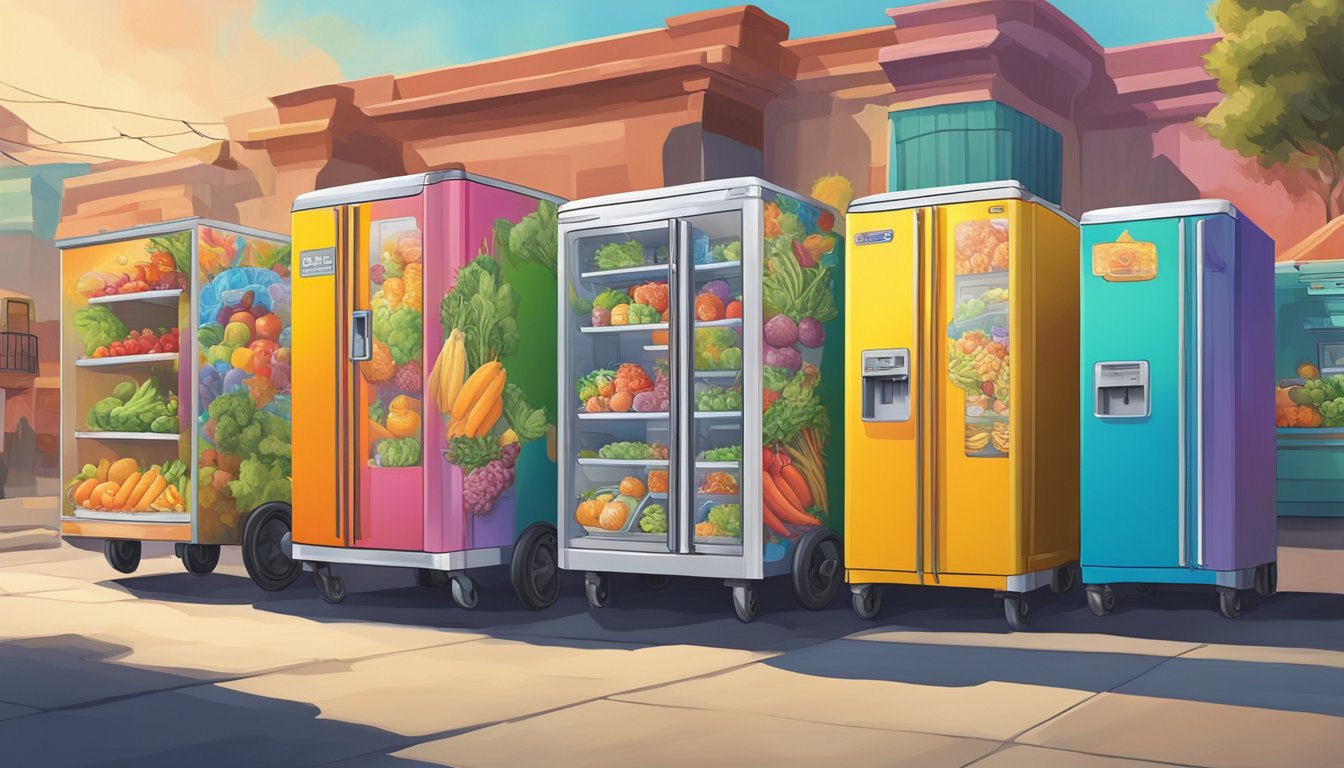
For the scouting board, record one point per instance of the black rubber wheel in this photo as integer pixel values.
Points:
(200, 559)
(122, 555)
(595, 588)
(1229, 602)
(867, 601)
(1146, 589)
(428, 577)
(1063, 579)
(655, 582)
(329, 585)
(534, 569)
(1100, 599)
(264, 554)
(465, 592)
(817, 569)
(1017, 611)
(1267, 579)
(745, 603)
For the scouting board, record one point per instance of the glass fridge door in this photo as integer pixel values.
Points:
(616, 390)
(712, 300)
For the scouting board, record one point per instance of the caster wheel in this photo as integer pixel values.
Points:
(534, 570)
(745, 603)
(1063, 579)
(465, 593)
(122, 555)
(1267, 579)
(1146, 589)
(266, 540)
(200, 559)
(655, 582)
(1229, 602)
(816, 569)
(1017, 611)
(867, 601)
(1100, 599)
(595, 588)
(329, 585)
(428, 577)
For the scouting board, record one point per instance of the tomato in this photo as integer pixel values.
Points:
(247, 319)
(268, 326)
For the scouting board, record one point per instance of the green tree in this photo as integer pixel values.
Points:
(1280, 66)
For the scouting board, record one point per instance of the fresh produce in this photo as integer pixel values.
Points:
(620, 314)
(716, 398)
(407, 377)
(974, 307)
(1308, 371)
(588, 513)
(733, 310)
(146, 409)
(653, 519)
(725, 519)
(726, 252)
(98, 327)
(781, 331)
(601, 318)
(724, 453)
(379, 367)
(399, 452)
(599, 383)
(651, 294)
(632, 451)
(483, 486)
(533, 238)
(980, 246)
(448, 375)
(480, 403)
(614, 515)
(658, 398)
(403, 417)
(783, 504)
(123, 486)
(719, 289)
(611, 298)
(621, 402)
(483, 306)
(525, 422)
(632, 486)
(166, 266)
(708, 307)
(250, 461)
(632, 378)
(641, 314)
(719, 483)
(657, 481)
(789, 289)
(400, 331)
(783, 357)
(629, 253)
(810, 333)
(598, 405)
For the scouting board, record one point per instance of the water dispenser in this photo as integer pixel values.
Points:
(886, 384)
(1122, 389)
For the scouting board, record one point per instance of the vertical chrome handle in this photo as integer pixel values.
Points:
(931, 333)
(361, 321)
(1199, 392)
(916, 251)
(682, 406)
(1181, 438)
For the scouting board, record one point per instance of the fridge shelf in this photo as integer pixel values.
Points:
(718, 414)
(718, 374)
(623, 462)
(655, 347)
(127, 361)
(646, 327)
(620, 275)
(632, 415)
(718, 266)
(132, 517)
(727, 322)
(166, 298)
(91, 435)
(718, 465)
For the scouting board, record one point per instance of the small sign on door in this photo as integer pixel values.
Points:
(317, 262)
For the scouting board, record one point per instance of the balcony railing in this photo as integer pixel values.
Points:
(18, 352)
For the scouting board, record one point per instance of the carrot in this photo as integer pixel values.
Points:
(786, 511)
(793, 479)
(786, 491)
(772, 522)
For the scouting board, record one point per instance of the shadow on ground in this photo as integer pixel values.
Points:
(67, 702)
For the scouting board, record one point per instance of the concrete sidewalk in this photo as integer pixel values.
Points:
(163, 667)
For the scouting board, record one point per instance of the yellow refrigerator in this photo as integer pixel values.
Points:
(961, 437)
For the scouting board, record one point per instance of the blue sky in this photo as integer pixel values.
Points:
(369, 37)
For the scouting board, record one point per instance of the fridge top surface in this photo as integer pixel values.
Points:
(403, 186)
(956, 193)
(1160, 211)
(725, 189)
(163, 228)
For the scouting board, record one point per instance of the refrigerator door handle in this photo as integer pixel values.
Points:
(360, 348)
(930, 354)
(1181, 437)
(681, 295)
(918, 303)
(1199, 392)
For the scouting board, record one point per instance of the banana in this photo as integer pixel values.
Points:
(432, 383)
(455, 372)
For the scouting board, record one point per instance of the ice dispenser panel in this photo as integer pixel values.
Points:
(1122, 389)
(886, 385)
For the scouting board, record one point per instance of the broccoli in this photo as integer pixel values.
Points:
(259, 482)
(534, 238)
(617, 255)
(400, 331)
(100, 415)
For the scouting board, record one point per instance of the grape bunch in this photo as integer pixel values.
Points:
(170, 281)
(483, 486)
